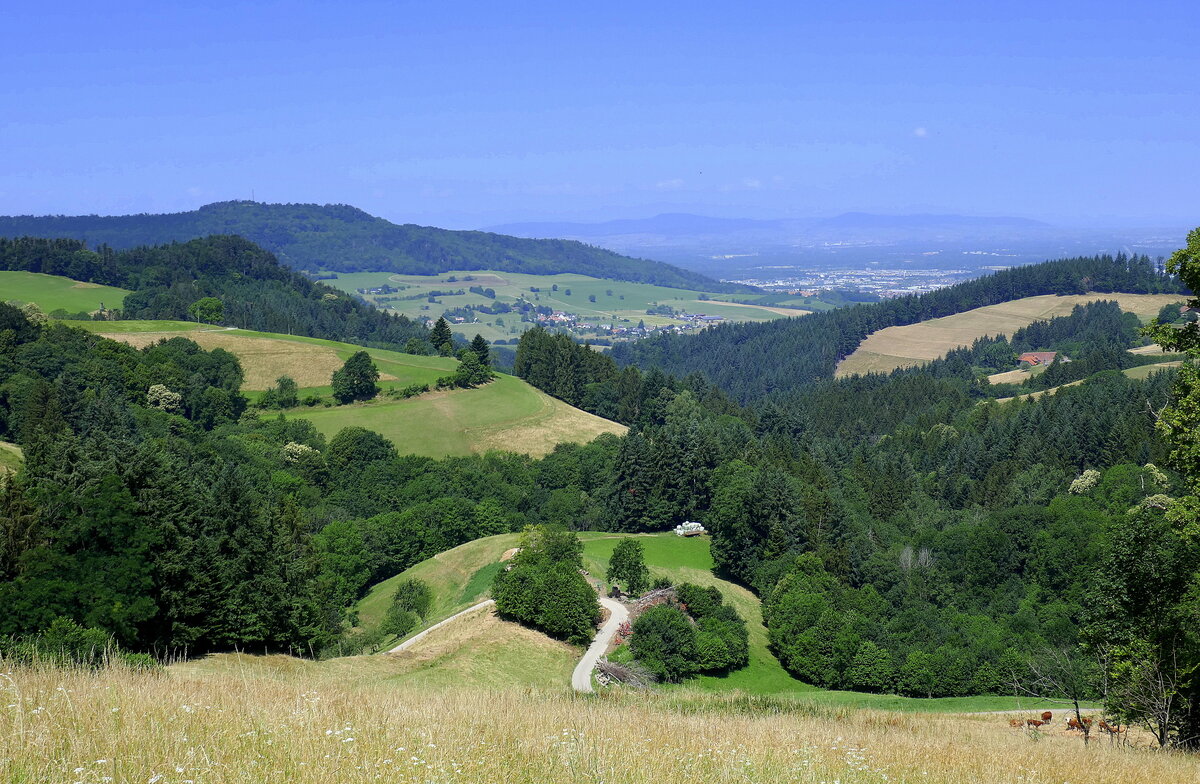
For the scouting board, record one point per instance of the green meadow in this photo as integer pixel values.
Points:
(51, 292)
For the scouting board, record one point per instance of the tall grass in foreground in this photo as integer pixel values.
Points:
(119, 725)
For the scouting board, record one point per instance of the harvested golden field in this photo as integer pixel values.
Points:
(282, 726)
(477, 650)
(897, 347)
(1018, 376)
(263, 359)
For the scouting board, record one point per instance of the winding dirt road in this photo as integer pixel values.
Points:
(418, 637)
(581, 679)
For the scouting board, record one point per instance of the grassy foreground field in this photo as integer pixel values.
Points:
(619, 302)
(915, 344)
(287, 727)
(51, 292)
(506, 414)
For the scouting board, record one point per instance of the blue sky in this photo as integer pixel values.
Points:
(467, 114)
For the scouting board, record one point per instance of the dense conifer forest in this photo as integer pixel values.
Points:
(345, 239)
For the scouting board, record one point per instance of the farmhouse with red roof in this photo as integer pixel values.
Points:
(1039, 358)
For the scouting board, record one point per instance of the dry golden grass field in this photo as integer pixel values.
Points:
(897, 347)
(284, 726)
(263, 359)
(477, 649)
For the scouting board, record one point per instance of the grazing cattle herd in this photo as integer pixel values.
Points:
(1081, 724)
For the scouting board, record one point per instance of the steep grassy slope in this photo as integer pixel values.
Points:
(505, 414)
(51, 292)
(285, 725)
(340, 237)
(906, 346)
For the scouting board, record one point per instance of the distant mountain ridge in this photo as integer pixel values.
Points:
(678, 224)
(342, 238)
(862, 220)
(669, 224)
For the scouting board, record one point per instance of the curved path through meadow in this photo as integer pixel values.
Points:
(581, 679)
(418, 637)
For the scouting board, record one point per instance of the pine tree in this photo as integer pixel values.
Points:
(482, 350)
(441, 337)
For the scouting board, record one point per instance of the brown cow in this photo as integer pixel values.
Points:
(1047, 716)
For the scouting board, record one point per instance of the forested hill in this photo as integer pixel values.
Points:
(754, 360)
(256, 290)
(346, 239)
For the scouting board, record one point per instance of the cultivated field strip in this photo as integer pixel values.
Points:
(914, 344)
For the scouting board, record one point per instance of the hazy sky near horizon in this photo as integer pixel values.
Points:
(469, 114)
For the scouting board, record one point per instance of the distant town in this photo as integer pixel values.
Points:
(884, 283)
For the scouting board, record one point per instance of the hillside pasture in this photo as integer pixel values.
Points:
(52, 292)
(450, 575)
(506, 414)
(897, 347)
(263, 359)
(265, 356)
